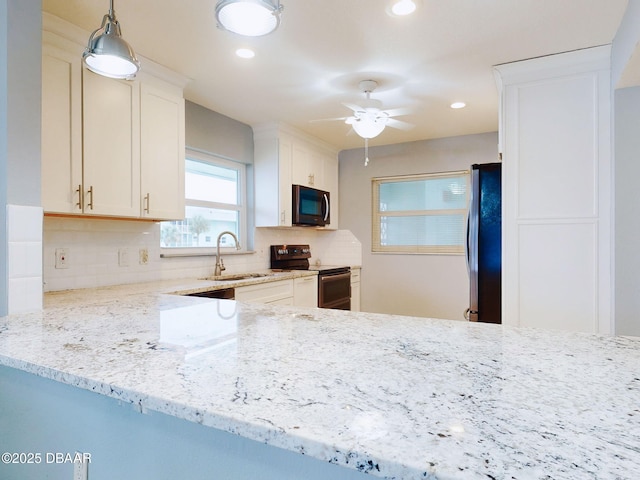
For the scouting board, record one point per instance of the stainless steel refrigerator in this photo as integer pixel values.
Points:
(484, 244)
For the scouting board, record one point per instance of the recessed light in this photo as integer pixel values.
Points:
(245, 53)
(458, 105)
(403, 7)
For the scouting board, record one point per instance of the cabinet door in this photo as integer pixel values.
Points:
(285, 151)
(111, 150)
(161, 153)
(301, 167)
(331, 185)
(307, 166)
(355, 289)
(305, 291)
(61, 130)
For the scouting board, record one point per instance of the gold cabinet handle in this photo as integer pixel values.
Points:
(79, 192)
(90, 192)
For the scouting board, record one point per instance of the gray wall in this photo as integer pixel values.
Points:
(421, 285)
(20, 92)
(211, 132)
(627, 220)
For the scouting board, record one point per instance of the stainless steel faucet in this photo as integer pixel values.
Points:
(219, 263)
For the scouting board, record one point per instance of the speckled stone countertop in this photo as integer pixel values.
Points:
(396, 397)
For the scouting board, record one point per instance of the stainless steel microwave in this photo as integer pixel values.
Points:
(311, 207)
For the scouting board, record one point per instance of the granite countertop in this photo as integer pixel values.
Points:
(396, 397)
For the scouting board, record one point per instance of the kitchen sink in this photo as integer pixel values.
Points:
(238, 276)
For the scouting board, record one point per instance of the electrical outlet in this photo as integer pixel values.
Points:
(81, 468)
(123, 257)
(144, 256)
(62, 258)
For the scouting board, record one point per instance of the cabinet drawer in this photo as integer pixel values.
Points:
(265, 292)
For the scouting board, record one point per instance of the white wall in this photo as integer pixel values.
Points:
(421, 285)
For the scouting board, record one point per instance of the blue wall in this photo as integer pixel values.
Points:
(40, 415)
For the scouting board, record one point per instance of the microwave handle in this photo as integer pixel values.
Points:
(326, 206)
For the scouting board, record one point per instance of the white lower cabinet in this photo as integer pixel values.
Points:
(279, 292)
(305, 291)
(355, 289)
(301, 292)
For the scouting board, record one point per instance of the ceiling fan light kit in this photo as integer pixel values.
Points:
(107, 53)
(252, 18)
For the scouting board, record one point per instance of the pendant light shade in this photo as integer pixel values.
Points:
(107, 53)
(252, 18)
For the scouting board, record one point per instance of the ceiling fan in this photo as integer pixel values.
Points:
(369, 120)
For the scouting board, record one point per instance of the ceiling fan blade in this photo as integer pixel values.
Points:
(353, 107)
(328, 119)
(392, 122)
(398, 112)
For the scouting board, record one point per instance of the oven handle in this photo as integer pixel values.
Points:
(334, 276)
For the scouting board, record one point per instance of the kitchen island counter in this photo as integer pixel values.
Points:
(391, 396)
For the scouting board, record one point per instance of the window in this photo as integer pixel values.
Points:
(215, 202)
(420, 213)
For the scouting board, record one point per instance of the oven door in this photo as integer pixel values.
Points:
(334, 291)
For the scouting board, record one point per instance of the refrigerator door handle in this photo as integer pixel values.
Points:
(472, 245)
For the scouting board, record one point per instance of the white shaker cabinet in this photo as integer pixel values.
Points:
(279, 292)
(305, 291)
(272, 172)
(355, 289)
(555, 140)
(283, 157)
(111, 146)
(162, 140)
(61, 132)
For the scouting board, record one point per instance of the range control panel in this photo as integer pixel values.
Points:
(290, 257)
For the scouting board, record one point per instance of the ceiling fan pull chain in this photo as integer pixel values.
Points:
(366, 152)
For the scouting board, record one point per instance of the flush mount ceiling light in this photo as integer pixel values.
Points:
(107, 53)
(252, 18)
(457, 105)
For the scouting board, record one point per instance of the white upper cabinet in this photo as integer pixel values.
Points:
(556, 147)
(284, 157)
(61, 130)
(161, 142)
(109, 147)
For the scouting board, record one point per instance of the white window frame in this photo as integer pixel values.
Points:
(376, 218)
(241, 208)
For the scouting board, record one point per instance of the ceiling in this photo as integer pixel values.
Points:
(313, 63)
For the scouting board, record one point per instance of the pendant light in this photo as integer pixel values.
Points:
(107, 53)
(252, 18)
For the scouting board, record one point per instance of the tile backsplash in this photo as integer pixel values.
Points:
(24, 239)
(102, 252)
